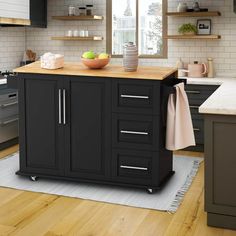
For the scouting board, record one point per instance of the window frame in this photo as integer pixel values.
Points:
(109, 31)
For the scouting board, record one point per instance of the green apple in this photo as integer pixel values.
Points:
(103, 56)
(89, 55)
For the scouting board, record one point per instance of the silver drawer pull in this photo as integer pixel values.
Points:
(133, 132)
(134, 168)
(196, 129)
(9, 121)
(59, 106)
(8, 104)
(192, 92)
(64, 107)
(133, 96)
(194, 107)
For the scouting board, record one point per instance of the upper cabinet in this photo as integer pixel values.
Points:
(15, 12)
(24, 12)
(38, 13)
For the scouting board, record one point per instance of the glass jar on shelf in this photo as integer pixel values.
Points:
(89, 10)
(82, 11)
(71, 10)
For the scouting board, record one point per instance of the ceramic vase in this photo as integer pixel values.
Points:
(130, 57)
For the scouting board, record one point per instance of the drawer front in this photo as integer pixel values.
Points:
(136, 97)
(198, 127)
(135, 132)
(133, 167)
(194, 109)
(197, 94)
(8, 128)
(8, 108)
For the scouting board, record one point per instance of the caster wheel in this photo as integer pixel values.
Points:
(150, 190)
(33, 178)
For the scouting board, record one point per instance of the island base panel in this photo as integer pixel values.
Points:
(105, 182)
(222, 221)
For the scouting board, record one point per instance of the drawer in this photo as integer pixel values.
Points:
(194, 109)
(135, 132)
(136, 97)
(198, 128)
(197, 94)
(8, 108)
(8, 128)
(134, 167)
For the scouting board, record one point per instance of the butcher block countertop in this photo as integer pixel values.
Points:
(112, 71)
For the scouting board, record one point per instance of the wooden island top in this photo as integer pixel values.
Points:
(112, 71)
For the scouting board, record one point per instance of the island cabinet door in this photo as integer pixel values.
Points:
(88, 128)
(41, 134)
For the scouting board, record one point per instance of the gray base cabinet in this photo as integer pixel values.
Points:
(220, 174)
(102, 130)
(197, 95)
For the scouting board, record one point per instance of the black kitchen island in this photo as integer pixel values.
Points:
(102, 126)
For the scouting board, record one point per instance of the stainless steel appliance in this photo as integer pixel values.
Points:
(8, 113)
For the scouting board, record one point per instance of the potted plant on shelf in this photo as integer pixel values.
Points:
(188, 29)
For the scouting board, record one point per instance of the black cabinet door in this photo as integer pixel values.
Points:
(38, 13)
(88, 128)
(41, 136)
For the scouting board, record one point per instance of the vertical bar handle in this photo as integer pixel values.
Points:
(64, 106)
(59, 106)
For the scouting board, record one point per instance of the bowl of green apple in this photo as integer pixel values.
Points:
(95, 61)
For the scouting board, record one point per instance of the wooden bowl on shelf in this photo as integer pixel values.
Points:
(95, 63)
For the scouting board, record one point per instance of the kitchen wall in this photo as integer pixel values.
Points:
(223, 51)
(12, 46)
(40, 39)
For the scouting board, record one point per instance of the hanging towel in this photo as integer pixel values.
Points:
(179, 130)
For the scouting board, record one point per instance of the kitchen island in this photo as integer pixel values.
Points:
(102, 126)
(220, 149)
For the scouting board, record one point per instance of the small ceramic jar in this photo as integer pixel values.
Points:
(182, 7)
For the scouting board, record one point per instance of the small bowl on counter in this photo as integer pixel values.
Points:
(95, 63)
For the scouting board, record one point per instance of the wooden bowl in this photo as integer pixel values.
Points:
(95, 63)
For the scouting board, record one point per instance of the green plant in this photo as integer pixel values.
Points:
(187, 28)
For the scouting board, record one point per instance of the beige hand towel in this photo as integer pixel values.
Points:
(179, 130)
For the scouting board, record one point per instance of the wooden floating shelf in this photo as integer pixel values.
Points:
(194, 14)
(205, 37)
(66, 38)
(94, 17)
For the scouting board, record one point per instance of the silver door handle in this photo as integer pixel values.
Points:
(59, 106)
(194, 107)
(192, 92)
(9, 121)
(133, 132)
(196, 129)
(133, 96)
(64, 106)
(134, 167)
(8, 104)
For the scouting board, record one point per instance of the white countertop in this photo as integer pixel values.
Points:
(223, 100)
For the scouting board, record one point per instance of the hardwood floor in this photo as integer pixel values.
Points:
(33, 214)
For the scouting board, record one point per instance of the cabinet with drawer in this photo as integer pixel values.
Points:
(197, 95)
(95, 129)
(8, 117)
(138, 132)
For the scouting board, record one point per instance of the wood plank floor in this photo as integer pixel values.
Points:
(33, 214)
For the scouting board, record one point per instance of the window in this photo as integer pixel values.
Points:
(138, 21)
